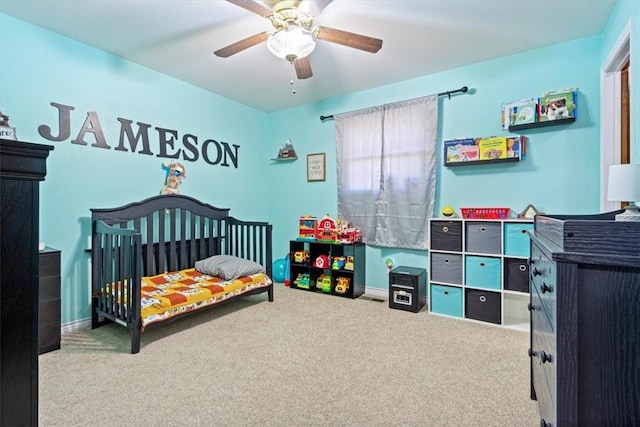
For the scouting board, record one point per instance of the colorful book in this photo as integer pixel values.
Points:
(525, 113)
(558, 104)
(493, 148)
(510, 111)
(461, 150)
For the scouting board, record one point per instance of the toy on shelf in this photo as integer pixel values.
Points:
(322, 261)
(327, 228)
(348, 265)
(485, 213)
(343, 284)
(324, 283)
(308, 227)
(448, 211)
(348, 234)
(302, 281)
(338, 263)
(301, 257)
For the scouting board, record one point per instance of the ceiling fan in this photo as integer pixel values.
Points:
(293, 38)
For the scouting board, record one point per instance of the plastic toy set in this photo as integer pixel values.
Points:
(328, 229)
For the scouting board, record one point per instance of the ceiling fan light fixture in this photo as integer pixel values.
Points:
(291, 43)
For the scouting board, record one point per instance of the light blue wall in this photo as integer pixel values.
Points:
(560, 174)
(38, 67)
(626, 12)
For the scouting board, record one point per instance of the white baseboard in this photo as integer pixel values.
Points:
(376, 292)
(75, 325)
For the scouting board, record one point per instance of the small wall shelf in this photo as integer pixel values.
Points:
(284, 159)
(542, 124)
(482, 162)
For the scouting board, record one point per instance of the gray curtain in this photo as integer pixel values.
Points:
(386, 171)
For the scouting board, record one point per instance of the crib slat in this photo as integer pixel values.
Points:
(172, 262)
(149, 263)
(182, 255)
(160, 255)
(192, 239)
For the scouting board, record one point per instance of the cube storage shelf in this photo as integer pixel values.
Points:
(313, 250)
(479, 270)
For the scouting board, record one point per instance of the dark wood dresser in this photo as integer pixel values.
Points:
(49, 301)
(585, 320)
(22, 167)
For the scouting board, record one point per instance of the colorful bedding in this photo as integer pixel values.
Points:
(170, 294)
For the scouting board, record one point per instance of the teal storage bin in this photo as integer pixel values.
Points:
(446, 300)
(516, 239)
(483, 272)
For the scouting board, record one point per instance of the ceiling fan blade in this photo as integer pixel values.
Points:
(345, 38)
(317, 6)
(303, 68)
(241, 45)
(253, 6)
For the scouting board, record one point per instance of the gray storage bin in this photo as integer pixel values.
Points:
(483, 237)
(446, 268)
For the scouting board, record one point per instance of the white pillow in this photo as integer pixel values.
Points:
(228, 267)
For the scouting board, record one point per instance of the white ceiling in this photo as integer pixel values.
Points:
(421, 37)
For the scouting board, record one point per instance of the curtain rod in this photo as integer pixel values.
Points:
(448, 93)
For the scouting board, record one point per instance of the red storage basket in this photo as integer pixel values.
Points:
(485, 213)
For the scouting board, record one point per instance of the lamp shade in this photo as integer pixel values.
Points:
(291, 43)
(624, 183)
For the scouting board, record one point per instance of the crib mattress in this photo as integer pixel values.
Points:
(170, 294)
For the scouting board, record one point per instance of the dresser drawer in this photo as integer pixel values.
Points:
(543, 362)
(543, 282)
(49, 263)
(446, 236)
(49, 288)
(482, 272)
(483, 237)
(446, 268)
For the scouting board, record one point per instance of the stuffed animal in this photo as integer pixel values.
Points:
(174, 177)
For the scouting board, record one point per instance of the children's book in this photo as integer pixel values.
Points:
(558, 104)
(461, 150)
(510, 111)
(493, 148)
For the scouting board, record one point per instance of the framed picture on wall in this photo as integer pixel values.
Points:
(316, 167)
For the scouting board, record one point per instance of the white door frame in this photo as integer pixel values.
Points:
(610, 111)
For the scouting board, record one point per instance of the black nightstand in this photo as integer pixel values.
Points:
(49, 301)
(408, 288)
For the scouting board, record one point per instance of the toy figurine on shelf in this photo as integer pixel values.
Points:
(324, 283)
(322, 261)
(308, 227)
(301, 257)
(302, 281)
(327, 229)
(338, 263)
(448, 211)
(348, 234)
(348, 265)
(342, 287)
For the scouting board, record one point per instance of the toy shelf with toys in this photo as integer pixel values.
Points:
(327, 267)
(328, 256)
